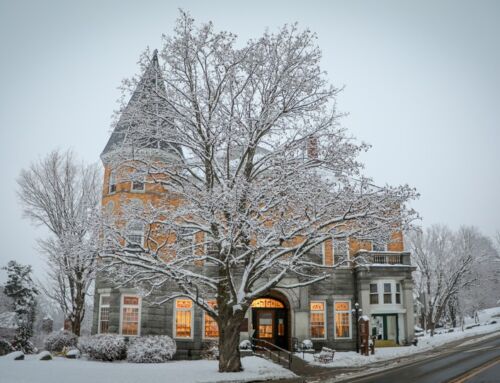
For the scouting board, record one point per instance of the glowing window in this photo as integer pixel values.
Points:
(342, 319)
(183, 318)
(317, 320)
(211, 328)
(267, 303)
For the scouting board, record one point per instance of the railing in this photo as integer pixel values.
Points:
(280, 354)
(383, 257)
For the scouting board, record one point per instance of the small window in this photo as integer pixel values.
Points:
(185, 242)
(112, 182)
(183, 325)
(130, 315)
(387, 293)
(104, 314)
(341, 251)
(342, 319)
(317, 320)
(378, 246)
(211, 328)
(373, 294)
(135, 234)
(398, 293)
(138, 184)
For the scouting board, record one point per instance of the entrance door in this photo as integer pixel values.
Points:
(265, 325)
(385, 327)
(270, 322)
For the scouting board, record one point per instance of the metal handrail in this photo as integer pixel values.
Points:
(280, 350)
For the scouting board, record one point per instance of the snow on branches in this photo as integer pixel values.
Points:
(258, 172)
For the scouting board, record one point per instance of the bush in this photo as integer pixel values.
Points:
(151, 349)
(107, 347)
(307, 344)
(245, 345)
(5, 347)
(58, 341)
(210, 350)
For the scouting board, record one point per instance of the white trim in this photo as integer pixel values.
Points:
(325, 311)
(348, 311)
(373, 243)
(101, 295)
(143, 190)
(122, 306)
(380, 291)
(203, 336)
(174, 321)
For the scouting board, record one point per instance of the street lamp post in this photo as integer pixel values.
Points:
(356, 311)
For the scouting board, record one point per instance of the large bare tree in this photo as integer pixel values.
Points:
(447, 263)
(264, 174)
(63, 195)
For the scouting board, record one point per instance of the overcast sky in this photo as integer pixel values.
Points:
(421, 78)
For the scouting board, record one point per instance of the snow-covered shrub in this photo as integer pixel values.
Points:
(210, 350)
(57, 341)
(151, 349)
(44, 355)
(245, 345)
(73, 354)
(107, 347)
(5, 347)
(307, 344)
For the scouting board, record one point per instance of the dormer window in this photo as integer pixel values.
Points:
(138, 184)
(112, 182)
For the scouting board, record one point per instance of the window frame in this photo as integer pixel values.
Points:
(398, 294)
(112, 182)
(139, 313)
(373, 244)
(375, 294)
(349, 313)
(174, 321)
(102, 295)
(143, 182)
(384, 293)
(325, 322)
(132, 245)
(205, 314)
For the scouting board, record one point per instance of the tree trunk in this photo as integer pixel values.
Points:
(229, 338)
(229, 350)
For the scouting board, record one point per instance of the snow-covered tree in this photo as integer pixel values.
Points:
(446, 264)
(21, 289)
(63, 195)
(261, 174)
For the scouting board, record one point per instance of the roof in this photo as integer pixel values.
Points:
(141, 114)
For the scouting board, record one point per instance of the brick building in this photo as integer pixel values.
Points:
(322, 312)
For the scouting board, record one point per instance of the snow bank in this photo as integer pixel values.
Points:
(426, 343)
(62, 370)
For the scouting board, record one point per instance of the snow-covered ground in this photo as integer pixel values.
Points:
(61, 370)
(426, 343)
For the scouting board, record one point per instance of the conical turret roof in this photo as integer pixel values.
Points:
(142, 123)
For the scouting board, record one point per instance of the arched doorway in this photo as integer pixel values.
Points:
(270, 320)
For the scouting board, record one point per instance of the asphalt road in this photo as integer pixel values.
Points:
(477, 363)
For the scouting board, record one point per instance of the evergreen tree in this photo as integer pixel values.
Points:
(21, 289)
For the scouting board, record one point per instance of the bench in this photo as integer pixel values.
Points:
(324, 356)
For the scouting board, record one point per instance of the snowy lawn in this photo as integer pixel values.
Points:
(426, 343)
(61, 370)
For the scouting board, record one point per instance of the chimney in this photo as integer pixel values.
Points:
(312, 148)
